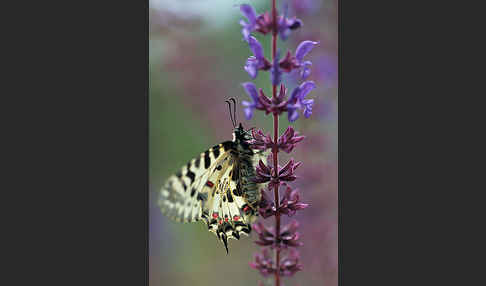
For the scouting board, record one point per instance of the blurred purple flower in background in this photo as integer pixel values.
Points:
(326, 70)
(306, 6)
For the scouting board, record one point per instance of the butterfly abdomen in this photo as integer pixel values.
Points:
(250, 190)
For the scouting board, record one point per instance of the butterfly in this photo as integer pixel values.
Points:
(217, 187)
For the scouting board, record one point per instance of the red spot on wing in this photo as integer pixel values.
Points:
(209, 184)
(220, 221)
(226, 219)
(246, 208)
(215, 215)
(236, 218)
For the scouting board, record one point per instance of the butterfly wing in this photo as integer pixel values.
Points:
(207, 189)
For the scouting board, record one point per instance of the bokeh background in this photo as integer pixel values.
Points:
(196, 62)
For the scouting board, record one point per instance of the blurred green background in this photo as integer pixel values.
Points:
(196, 62)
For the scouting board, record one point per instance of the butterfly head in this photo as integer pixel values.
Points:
(241, 135)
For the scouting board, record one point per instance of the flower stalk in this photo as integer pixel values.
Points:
(282, 239)
(275, 139)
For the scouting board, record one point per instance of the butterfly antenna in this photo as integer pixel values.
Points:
(231, 115)
(234, 109)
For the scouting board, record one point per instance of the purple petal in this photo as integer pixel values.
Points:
(251, 67)
(308, 107)
(246, 33)
(249, 13)
(247, 103)
(303, 49)
(294, 24)
(292, 114)
(305, 72)
(276, 74)
(284, 31)
(248, 113)
(295, 94)
(251, 90)
(305, 88)
(256, 48)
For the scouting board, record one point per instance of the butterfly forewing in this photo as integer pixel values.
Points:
(183, 194)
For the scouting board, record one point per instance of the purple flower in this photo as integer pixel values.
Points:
(290, 202)
(261, 23)
(265, 173)
(289, 140)
(285, 25)
(275, 105)
(251, 90)
(286, 142)
(264, 23)
(260, 141)
(303, 49)
(265, 234)
(247, 28)
(267, 206)
(290, 264)
(287, 172)
(290, 62)
(297, 101)
(263, 263)
(258, 61)
(289, 235)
